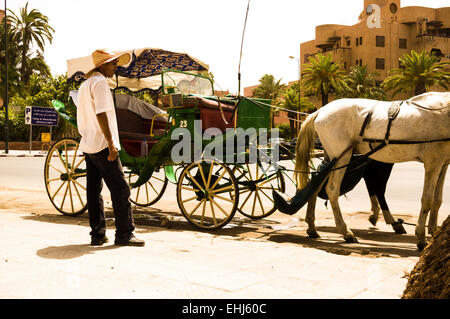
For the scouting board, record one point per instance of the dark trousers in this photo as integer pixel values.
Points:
(98, 169)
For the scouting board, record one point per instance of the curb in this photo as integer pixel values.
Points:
(28, 155)
(21, 155)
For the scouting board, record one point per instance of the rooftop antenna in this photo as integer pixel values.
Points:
(242, 44)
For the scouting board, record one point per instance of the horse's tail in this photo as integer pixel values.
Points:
(305, 143)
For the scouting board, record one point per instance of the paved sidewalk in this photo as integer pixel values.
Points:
(49, 256)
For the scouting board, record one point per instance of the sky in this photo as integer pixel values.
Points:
(210, 30)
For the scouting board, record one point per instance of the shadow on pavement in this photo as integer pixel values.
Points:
(371, 241)
(71, 251)
(343, 248)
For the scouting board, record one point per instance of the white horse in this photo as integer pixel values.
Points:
(420, 132)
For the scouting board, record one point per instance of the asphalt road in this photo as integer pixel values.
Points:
(403, 192)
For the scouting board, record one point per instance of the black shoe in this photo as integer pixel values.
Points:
(131, 241)
(98, 241)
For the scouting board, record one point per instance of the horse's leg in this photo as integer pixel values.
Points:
(373, 199)
(310, 212)
(384, 172)
(375, 208)
(432, 172)
(333, 191)
(310, 217)
(371, 176)
(389, 219)
(437, 201)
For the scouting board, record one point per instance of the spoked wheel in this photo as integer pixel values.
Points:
(256, 182)
(65, 177)
(149, 193)
(207, 194)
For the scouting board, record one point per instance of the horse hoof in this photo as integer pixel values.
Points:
(422, 244)
(398, 228)
(373, 220)
(312, 233)
(350, 238)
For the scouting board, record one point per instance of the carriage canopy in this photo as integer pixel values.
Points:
(144, 69)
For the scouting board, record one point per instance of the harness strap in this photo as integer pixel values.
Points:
(393, 111)
(366, 121)
(373, 140)
(364, 156)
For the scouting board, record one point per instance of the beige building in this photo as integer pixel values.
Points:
(385, 32)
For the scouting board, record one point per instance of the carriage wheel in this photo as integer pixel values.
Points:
(256, 182)
(65, 177)
(149, 193)
(207, 194)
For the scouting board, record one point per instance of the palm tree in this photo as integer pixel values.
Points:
(290, 100)
(13, 62)
(418, 73)
(322, 77)
(362, 84)
(38, 64)
(271, 89)
(31, 28)
(268, 88)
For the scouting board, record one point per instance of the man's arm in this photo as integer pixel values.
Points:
(104, 126)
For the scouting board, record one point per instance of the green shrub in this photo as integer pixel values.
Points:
(285, 130)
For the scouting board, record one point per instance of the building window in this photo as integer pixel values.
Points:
(438, 53)
(380, 64)
(345, 65)
(360, 62)
(360, 40)
(348, 43)
(380, 41)
(357, 41)
(356, 63)
(402, 43)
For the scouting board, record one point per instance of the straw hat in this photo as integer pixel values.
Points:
(103, 56)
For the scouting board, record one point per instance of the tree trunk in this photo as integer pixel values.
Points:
(419, 89)
(22, 67)
(292, 125)
(324, 99)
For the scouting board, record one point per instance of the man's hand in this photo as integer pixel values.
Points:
(104, 126)
(113, 153)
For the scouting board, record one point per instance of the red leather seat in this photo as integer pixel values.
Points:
(134, 132)
(210, 113)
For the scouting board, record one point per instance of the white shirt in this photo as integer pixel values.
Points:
(94, 97)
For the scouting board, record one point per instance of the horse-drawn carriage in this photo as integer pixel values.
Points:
(172, 129)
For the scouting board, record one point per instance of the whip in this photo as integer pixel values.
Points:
(242, 44)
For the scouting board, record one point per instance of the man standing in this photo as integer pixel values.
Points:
(97, 125)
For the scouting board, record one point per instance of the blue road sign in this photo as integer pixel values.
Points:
(36, 115)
